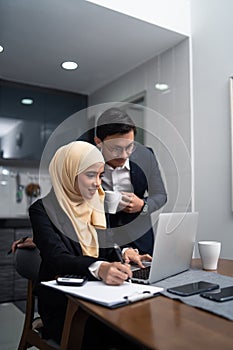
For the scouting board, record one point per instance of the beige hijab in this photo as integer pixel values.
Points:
(68, 162)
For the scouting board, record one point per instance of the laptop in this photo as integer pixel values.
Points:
(173, 248)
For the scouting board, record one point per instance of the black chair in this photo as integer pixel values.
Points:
(27, 263)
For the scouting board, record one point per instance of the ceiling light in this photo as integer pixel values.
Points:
(69, 65)
(1, 48)
(27, 101)
(161, 86)
(5, 171)
(3, 183)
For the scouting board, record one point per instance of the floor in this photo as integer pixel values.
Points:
(11, 325)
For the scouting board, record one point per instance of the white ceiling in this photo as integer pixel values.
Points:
(38, 35)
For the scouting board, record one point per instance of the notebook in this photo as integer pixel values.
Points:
(173, 247)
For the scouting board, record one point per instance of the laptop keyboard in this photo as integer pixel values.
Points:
(142, 273)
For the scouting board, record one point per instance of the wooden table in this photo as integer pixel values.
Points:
(159, 323)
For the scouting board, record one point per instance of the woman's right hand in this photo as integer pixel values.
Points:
(114, 273)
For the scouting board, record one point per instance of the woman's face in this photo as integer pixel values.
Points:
(89, 181)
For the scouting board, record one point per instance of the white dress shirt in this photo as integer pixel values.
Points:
(117, 179)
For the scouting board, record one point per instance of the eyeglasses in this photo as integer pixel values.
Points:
(117, 151)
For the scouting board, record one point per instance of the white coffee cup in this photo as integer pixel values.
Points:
(209, 253)
(111, 201)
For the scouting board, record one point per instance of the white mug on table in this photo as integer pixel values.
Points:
(209, 253)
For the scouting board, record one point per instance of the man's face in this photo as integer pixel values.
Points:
(117, 148)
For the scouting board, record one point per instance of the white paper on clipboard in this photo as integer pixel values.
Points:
(106, 295)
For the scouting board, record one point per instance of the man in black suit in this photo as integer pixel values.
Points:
(133, 170)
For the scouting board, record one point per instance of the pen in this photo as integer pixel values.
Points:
(118, 253)
(120, 257)
(23, 239)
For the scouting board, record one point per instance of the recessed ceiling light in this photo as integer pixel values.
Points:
(3, 183)
(1, 48)
(69, 65)
(27, 101)
(5, 172)
(161, 86)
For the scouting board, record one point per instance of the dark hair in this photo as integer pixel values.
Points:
(114, 121)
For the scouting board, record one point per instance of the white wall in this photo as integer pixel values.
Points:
(212, 33)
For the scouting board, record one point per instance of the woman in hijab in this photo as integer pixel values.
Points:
(64, 230)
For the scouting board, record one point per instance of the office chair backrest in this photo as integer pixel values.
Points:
(27, 262)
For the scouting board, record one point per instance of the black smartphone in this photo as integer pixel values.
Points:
(225, 294)
(193, 288)
(71, 280)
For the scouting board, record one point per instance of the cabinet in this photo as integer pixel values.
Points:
(30, 126)
(13, 286)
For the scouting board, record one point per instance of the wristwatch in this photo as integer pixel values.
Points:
(145, 207)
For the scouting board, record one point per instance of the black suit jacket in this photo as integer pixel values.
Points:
(61, 254)
(136, 229)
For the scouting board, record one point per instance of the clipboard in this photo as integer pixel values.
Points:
(109, 296)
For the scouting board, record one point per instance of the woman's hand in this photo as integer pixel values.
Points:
(130, 255)
(28, 243)
(114, 273)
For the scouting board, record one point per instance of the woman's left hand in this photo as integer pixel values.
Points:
(130, 255)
